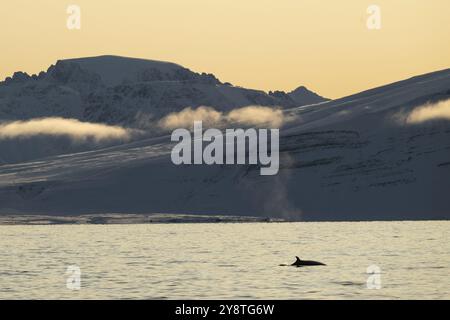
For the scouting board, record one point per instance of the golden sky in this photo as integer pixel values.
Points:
(262, 44)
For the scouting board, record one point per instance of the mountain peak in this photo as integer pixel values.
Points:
(300, 89)
(303, 96)
(114, 70)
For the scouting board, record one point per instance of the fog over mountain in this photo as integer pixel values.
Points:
(380, 154)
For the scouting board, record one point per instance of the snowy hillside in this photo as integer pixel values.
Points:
(118, 90)
(355, 158)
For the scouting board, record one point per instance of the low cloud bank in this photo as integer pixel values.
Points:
(435, 111)
(252, 116)
(72, 128)
(258, 116)
(187, 116)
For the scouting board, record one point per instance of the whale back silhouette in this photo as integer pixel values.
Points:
(299, 263)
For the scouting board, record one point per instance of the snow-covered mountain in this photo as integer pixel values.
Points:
(118, 90)
(305, 96)
(355, 158)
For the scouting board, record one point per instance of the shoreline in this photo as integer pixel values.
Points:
(126, 218)
(160, 218)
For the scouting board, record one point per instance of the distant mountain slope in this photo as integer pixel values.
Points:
(119, 90)
(354, 158)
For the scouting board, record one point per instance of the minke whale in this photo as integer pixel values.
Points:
(300, 263)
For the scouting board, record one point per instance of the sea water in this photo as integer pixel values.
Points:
(364, 260)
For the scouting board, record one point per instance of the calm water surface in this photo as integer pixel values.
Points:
(169, 261)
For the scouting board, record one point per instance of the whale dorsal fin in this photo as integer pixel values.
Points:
(297, 262)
